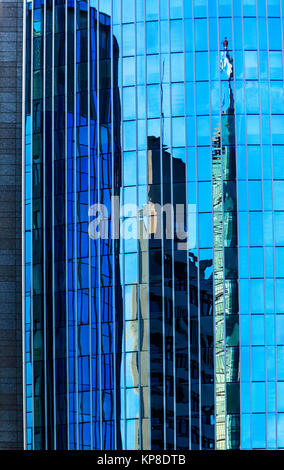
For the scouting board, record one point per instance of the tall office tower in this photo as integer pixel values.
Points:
(11, 410)
(153, 224)
(72, 285)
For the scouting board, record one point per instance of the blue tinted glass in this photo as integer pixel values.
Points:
(255, 195)
(278, 192)
(258, 363)
(279, 228)
(257, 295)
(257, 330)
(176, 8)
(200, 8)
(176, 36)
(251, 69)
(279, 364)
(152, 37)
(200, 30)
(258, 397)
(245, 363)
(201, 66)
(128, 9)
(249, 7)
(152, 8)
(250, 36)
(246, 431)
(252, 97)
(279, 295)
(245, 330)
(175, 71)
(177, 67)
(258, 431)
(271, 431)
(255, 228)
(279, 257)
(280, 430)
(128, 43)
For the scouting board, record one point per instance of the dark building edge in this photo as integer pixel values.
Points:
(11, 403)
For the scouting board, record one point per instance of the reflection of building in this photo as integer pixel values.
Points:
(181, 326)
(136, 344)
(72, 320)
(184, 335)
(226, 272)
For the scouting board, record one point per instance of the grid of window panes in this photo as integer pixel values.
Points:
(72, 330)
(171, 72)
(169, 121)
(258, 41)
(134, 343)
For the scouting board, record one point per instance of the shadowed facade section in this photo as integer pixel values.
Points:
(11, 436)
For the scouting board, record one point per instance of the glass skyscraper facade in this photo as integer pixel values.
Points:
(153, 224)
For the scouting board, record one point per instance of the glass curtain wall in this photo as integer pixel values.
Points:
(73, 306)
(138, 340)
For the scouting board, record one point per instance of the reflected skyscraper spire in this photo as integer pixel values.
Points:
(226, 267)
